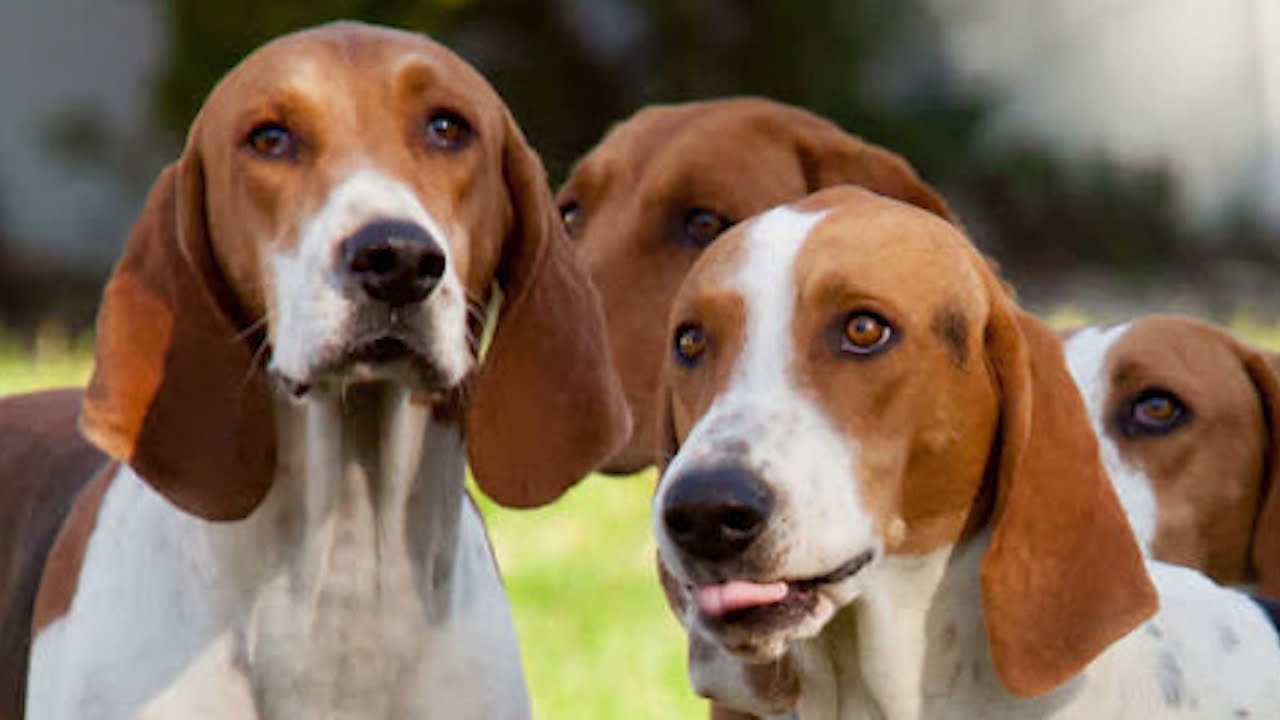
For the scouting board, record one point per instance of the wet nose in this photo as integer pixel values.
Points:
(715, 513)
(392, 261)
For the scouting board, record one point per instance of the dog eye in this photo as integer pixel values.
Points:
(690, 344)
(447, 131)
(865, 334)
(702, 226)
(571, 216)
(272, 140)
(1154, 412)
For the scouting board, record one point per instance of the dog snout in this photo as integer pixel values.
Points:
(715, 513)
(392, 261)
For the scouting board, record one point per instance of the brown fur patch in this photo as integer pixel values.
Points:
(62, 571)
(44, 464)
(950, 326)
(923, 450)
(144, 325)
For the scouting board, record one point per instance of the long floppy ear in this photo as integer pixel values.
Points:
(1063, 577)
(1266, 529)
(177, 390)
(830, 156)
(547, 406)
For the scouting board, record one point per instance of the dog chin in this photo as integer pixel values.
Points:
(385, 359)
(762, 639)
(757, 621)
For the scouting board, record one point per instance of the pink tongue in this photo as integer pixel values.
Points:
(716, 600)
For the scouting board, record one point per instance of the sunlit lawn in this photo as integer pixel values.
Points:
(597, 639)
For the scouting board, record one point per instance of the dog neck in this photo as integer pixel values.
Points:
(371, 468)
(373, 545)
(912, 645)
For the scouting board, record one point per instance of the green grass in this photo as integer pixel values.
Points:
(595, 633)
(51, 360)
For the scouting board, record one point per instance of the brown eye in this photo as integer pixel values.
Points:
(691, 343)
(1153, 412)
(447, 131)
(571, 216)
(702, 226)
(272, 140)
(865, 334)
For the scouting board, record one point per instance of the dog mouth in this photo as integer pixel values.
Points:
(768, 606)
(389, 357)
(380, 351)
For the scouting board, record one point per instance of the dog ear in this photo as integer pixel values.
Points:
(178, 391)
(1263, 371)
(1063, 576)
(546, 406)
(830, 156)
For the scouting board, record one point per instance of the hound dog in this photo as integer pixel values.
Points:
(286, 379)
(662, 185)
(1188, 421)
(881, 473)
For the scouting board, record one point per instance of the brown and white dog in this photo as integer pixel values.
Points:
(1188, 420)
(881, 472)
(662, 185)
(305, 547)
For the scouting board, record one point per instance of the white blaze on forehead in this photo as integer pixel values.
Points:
(764, 420)
(767, 283)
(1086, 353)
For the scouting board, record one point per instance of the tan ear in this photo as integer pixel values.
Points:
(1063, 577)
(178, 391)
(547, 406)
(1266, 530)
(831, 156)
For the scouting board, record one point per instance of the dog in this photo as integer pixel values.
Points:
(884, 498)
(1187, 421)
(288, 385)
(662, 185)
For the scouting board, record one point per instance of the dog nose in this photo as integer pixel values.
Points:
(394, 262)
(715, 513)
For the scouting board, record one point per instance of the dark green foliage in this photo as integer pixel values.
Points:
(571, 68)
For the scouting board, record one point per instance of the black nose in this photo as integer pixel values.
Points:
(392, 261)
(715, 513)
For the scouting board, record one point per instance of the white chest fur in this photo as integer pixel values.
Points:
(362, 587)
(914, 648)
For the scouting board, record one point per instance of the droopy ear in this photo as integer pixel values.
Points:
(831, 156)
(1266, 529)
(547, 406)
(1063, 577)
(177, 390)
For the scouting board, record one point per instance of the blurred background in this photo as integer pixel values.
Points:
(1119, 154)
(1116, 156)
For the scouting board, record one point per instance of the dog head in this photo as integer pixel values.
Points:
(849, 380)
(1186, 417)
(346, 199)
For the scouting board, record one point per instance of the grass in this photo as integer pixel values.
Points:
(597, 638)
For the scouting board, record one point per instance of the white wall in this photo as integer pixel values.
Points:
(1191, 83)
(55, 56)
